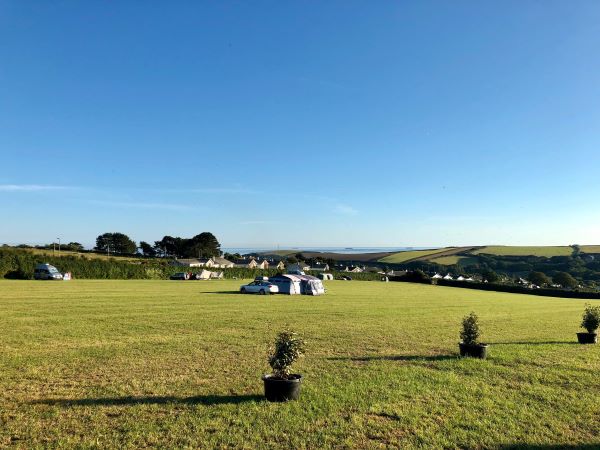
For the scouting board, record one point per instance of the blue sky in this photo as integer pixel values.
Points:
(306, 123)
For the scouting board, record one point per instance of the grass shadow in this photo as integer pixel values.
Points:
(535, 343)
(550, 447)
(225, 292)
(393, 358)
(153, 400)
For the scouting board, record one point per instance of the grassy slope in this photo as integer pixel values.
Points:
(503, 250)
(401, 257)
(454, 259)
(590, 248)
(156, 363)
(39, 251)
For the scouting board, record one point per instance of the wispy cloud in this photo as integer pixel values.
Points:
(143, 205)
(345, 210)
(233, 190)
(30, 188)
(258, 222)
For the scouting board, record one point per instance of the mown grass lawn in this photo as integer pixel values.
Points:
(130, 364)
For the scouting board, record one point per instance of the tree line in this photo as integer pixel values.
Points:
(203, 245)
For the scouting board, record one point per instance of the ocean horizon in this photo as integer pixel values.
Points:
(343, 250)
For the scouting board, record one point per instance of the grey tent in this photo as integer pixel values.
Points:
(287, 284)
(310, 285)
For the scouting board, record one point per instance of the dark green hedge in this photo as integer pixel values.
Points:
(19, 264)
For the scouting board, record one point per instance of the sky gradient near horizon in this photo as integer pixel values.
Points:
(336, 123)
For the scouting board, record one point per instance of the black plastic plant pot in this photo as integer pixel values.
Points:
(587, 338)
(473, 350)
(280, 389)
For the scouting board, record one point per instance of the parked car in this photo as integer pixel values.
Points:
(46, 272)
(179, 276)
(259, 287)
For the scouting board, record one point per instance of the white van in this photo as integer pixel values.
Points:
(46, 272)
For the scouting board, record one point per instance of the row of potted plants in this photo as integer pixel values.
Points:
(283, 385)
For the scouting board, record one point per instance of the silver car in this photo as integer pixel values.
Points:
(259, 287)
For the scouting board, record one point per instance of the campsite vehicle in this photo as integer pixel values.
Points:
(179, 276)
(259, 287)
(46, 272)
(298, 284)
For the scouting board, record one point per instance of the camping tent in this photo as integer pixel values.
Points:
(325, 276)
(310, 285)
(205, 274)
(216, 275)
(287, 284)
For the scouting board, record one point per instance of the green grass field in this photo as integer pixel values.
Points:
(590, 248)
(131, 364)
(44, 252)
(507, 250)
(401, 257)
(454, 259)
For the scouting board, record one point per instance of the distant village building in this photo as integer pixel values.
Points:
(298, 267)
(187, 262)
(319, 267)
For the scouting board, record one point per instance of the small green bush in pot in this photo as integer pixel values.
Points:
(282, 384)
(469, 334)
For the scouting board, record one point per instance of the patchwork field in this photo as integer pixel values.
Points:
(507, 250)
(130, 364)
(400, 257)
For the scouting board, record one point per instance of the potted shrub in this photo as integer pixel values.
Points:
(470, 345)
(282, 385)
(590, 321)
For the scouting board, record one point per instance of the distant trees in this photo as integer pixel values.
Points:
(490, 276)
(291, 259)
(147, 249)
(565, 280)
(73, 246)
(203, 245)
(115, 243)
(538, 278)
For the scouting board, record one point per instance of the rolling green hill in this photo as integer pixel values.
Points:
(506, 250)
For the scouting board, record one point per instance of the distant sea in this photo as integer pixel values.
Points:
(346, 250)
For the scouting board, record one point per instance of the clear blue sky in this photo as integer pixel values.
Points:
(307, 123)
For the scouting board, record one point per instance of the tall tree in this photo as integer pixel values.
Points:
(565, 280)
(169, 246)
(147, 249)
(116, 243)
(203, 245)
(538, 278)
